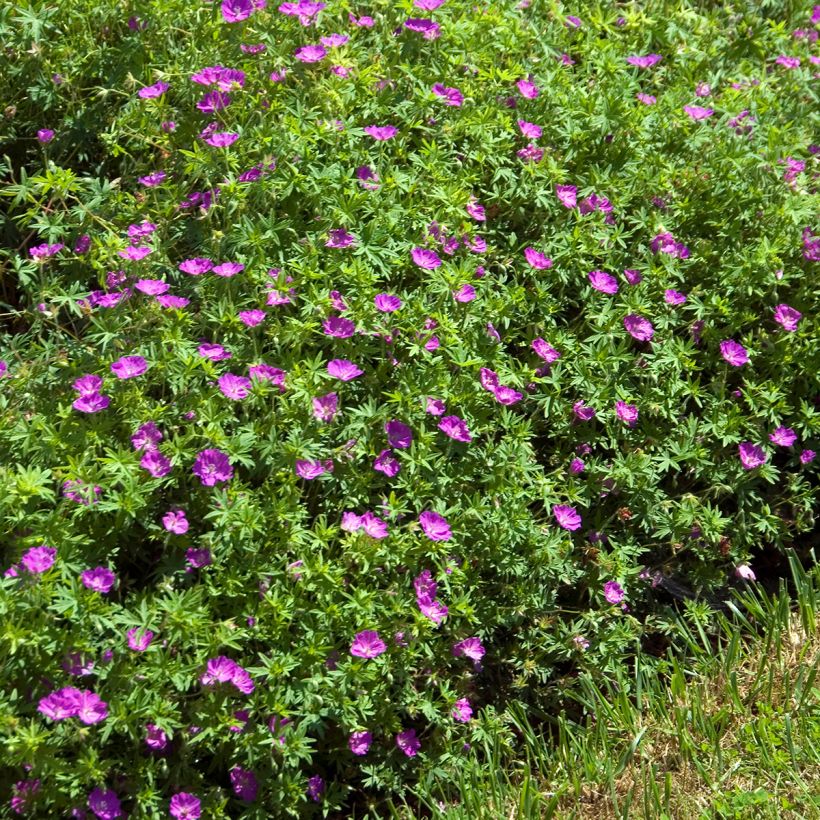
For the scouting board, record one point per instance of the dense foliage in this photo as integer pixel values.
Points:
(368, 368)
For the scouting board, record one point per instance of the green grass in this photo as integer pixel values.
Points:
(731, 731)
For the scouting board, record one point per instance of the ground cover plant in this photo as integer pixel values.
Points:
(370, 372)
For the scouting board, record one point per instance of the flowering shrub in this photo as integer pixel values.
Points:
(363, 368)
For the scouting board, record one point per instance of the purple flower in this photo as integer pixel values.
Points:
(425, 258)
(128, 367)
(455, 428)
(359, 742)
(602, 281)
(367, 644)
(45, 250)
(139, 640)
(567, 517)
(783, 437)
(152, 179)
(807, 456)
(788, 62)
(152, 287)
(343, 369)
(310, 54)
(531, 131)
(234, 11)
(186, 806)
(228, 269)
(751, 455)
(537, 259)
(45, 135)
(212, 466)
(399, 435)
(235, 387)
(471, 648)
(381, 132)
(99, 579)
(787, 317)
(214, 352)
(339, 238)
(198, 558)
(626, 412)
(613, 592)
(527, 89)
(244, 784)
(23, 794)
(82, 493)
(644, 61)
(567, 194)
(315, 788)
(451, 96)
(150, 92)
(325, 407)
(104, 804)
(576, 466)
(427, 28)
(61, 704)
(91, 403)
(175, 521)
(462, 711)
(734, 353)
(339, 327)
(466, 293)
(155, 463)
(408, 742)
(264, 372)
(506, 395)
(168, 300)
(222, 139)
(155, 738)
(251, 318)
(387, 303)
(435, 526)
(147, 436)
(196, 266)
(674, 297)
(546, 351)
(633, 277)
(697, 112)
(387, 464)
(638, 327)
(309, 470)
(435, 407)
(38, 559)
(90, 708)
(374, 526)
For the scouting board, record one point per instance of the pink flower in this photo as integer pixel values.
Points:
(228, 269)
(212, 467)
(451, 96)
(425, 258)
(783, 437)
(567, 517)
(462, 711)
(567, 195)
(339, 327)
(310, 469)
(751, 455)
(185, 806)
(90, 708)
(435, 526)
(310, 54)
(234, 11)
(537, 259)
(638, 327)
(139, 639)
(399, 435)
(251, 318)
(155, 463)
(408, 742)
(475, 210)
(787, 317)
(152, 91)
(507, 395)
(343, 369)
(387, 303)
(613, 592)
(129, 367)
(583, 412)
(644, 61)
(674, 297)
(455, 428)
(734, 353)
(602, 281)
(546, 351)
(435, 407)
(626, 412)
(527, 89)
(646, 99)
(745, 572)
(380, 133)
(99, 579)
(471, 648)
(374, 526)
(387, 464)
(367, 644)
(633, 277)
(38, 559)
(339, 238)
(697, 112)
(235, 387)
(196, 266)
(325, 407)
(359, 742)
(529, 129)
(175, 521)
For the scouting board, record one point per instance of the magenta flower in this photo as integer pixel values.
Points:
(434, 610)
(788, 62)
(435, 526)
(527, 89)
(425, 258)
(471, 648)
(152, 287)
(88, 385)
(455, 428)
(567, 517)
(602, 281)
(214, 352)
(466, 293)
(45, 250)
(339, 238)
(462, 711)
(387, 303)
(374, 526)
(139, 639)
(228, 269)
(783, 437)
(325, 407)
(638, 327)
(45, 135)
(633, 277)
(408, 742)
(537, 259)
(644, 62)
(583, 412)
(234, 11)
(104, 804)
(807, 456)
(475, 210)
(386, 463)
(99, 579)
(310, 54)
(343, 369)
(155, 738)
(186, 806)
(150, 92)
(567, 195)
(38, 559)
(128, 367)
(153, 179)
(507, 395)
(751, 455)
(380, 133)
(733, 352)
(221, 139)
(155, 463)
(530, 130)
(91, 403)
(264, 372)
(309, 470)
(212, 467)
(613, 592)
(546, 351)
(339, 327)
(235, 387)
(450, 96)
(646, 99)
(427, 28)
(196, 266)
(399, 435)
(697, 112)
(244, 784)
(168, 300)
(175, 521)
(90, 708)
(198, 558)
(787, 317)
(367, 644)
(626, 412)
(251, 318)
(435, 407)
(674, 297)
(359, 742)
(135, 253)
